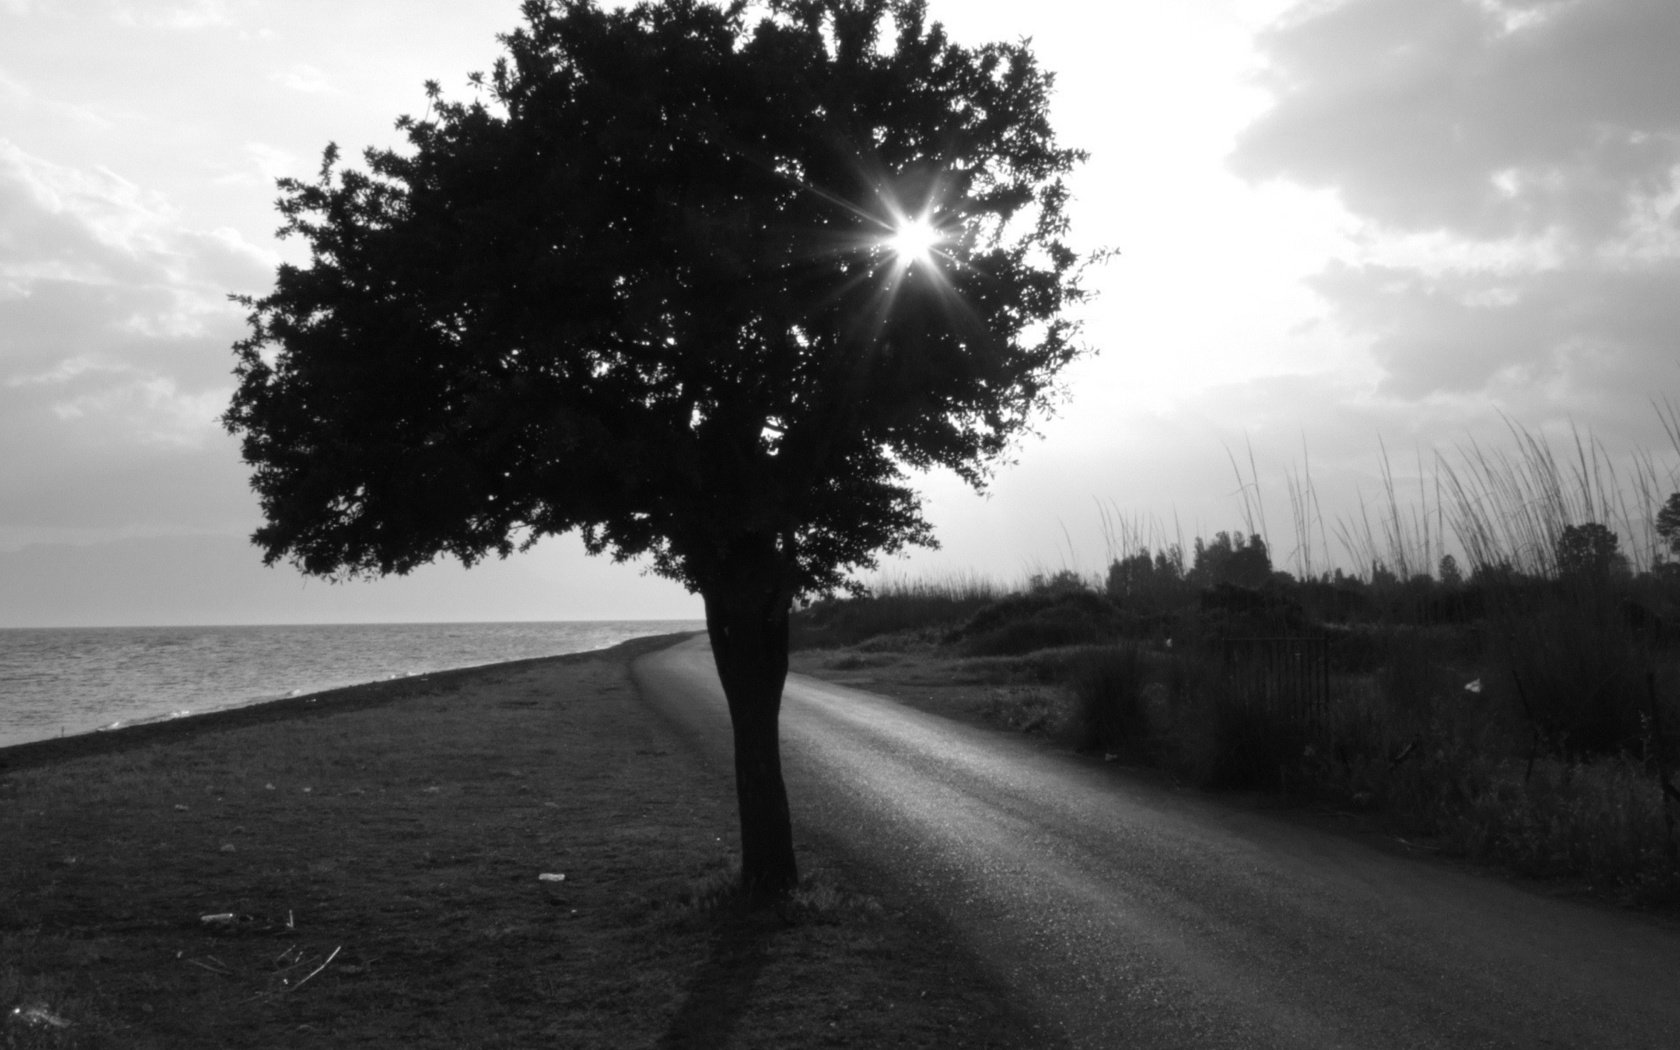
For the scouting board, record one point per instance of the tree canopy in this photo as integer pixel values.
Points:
(1588, 551)
(1668, 523)
(642, 285)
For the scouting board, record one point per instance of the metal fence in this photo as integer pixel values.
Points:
(1288, 678)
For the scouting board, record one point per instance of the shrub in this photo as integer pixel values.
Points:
(1224, 736)
(931, 607)
(1025, 623)
(1022, 708)
(1603, 822)
(1576, 673)
(1109, 710)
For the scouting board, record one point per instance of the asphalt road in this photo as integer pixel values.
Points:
(1138, 916)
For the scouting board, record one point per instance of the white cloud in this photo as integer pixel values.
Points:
(98, 228)
(114, 332)
(274, 162)
(153, 411)
(64, 371)
(306, 79)
(92, 217)
(264, 164)
(1516, 16)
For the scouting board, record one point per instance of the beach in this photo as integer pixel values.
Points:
(513, 855)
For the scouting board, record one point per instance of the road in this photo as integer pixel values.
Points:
(1138, 916)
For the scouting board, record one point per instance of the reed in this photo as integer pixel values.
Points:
(895, 606)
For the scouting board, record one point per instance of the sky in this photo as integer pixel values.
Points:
(1357, 239)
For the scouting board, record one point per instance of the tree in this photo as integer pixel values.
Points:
(1230, 558)
(1668, 523)
(1144, 582)
(1130, 578)
(1590, 552)
(1382, 577)
(701, 288)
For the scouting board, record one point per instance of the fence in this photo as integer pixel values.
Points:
(1288, 678)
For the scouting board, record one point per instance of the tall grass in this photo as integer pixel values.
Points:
(1110, 707)
(1510, 509)
(896, 606)
(1125, 535)
(1494, 508)
(1220, 736)
(1407, 537)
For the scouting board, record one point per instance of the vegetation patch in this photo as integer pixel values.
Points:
(1526, 714)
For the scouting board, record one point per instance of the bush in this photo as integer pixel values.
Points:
(1022, 708)
(1025, 623)
(1603, 822)
(1577, 675)
(1225, 737)
(893, 609)
(1109, 710)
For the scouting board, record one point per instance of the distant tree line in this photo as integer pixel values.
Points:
(1234, 572)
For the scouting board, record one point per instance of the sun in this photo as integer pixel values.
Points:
(914, 240)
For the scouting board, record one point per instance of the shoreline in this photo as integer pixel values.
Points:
(34, 753)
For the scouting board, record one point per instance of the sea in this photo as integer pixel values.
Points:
(57, 681)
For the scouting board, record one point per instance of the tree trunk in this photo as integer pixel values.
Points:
(747, 618)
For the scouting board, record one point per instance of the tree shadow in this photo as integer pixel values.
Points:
(719, 992)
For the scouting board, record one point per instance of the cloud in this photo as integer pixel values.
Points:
(1451, 114)
(1513, 173)
(114, 336)
(101, 233)
(90, 224)
(306, 79)
(1581, 330)
(28, 107)
(67, 370)
(261, 165)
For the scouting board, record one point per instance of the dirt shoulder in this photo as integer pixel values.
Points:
(372, 861)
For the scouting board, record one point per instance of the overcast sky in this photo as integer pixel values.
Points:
(1344, 226)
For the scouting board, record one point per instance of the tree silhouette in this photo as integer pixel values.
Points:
(1231, 559)
(701, 288)
(1590, 552)
(1149, 582)
(1668, 523)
